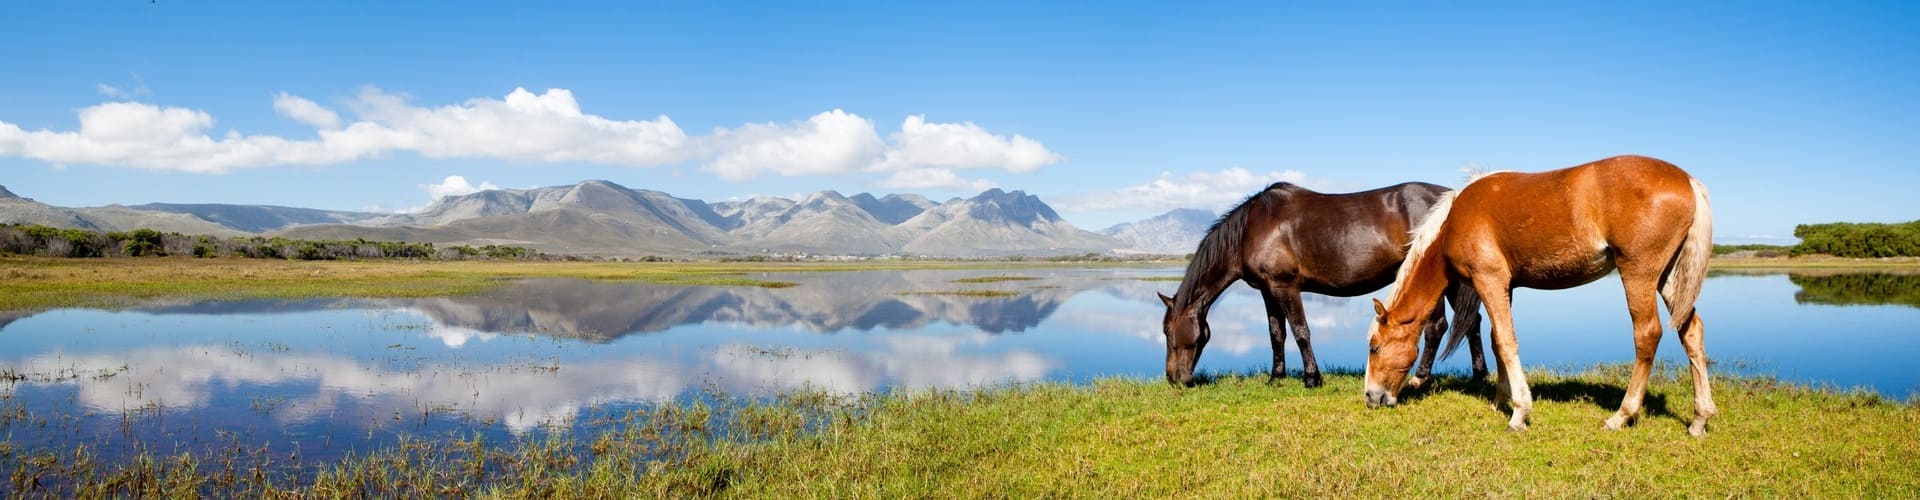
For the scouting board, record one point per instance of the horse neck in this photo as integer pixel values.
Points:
(1202, 286)
(1416, 293)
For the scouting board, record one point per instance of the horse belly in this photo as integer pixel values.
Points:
(1565, 269)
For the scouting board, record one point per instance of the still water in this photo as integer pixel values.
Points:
(330, 376)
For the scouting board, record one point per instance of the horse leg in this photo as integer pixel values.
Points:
(1277, 334)
(1302, 336)
(1466, 321)
(1693, 338)
(1641, 304)
(1435, 330)
(1513, 390)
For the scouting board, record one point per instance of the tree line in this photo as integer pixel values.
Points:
(34, 239)
(1853, 239)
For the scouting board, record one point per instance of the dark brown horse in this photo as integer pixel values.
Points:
(1554, 230)
(1288, 239)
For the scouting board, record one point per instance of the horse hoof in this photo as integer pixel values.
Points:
(1698, 429)
(1416, 381)
(1311, 380)
(1616, 422)
(1516, 428)
(1479, 376)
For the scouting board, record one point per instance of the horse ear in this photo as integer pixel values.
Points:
(1164, 299)
(1379, 309)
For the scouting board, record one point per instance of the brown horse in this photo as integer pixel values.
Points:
(1555, 230)
(1288, 239)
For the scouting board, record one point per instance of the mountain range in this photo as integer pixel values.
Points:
(603, 218)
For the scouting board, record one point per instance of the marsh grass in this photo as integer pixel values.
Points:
(993, 279)
(1236, 435)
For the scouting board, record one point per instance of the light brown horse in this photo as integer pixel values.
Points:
(1555, 230)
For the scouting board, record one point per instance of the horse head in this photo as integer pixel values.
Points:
(1187, 334)
(1391, 350)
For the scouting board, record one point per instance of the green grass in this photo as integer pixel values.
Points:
(1235, 437)
(994, 279)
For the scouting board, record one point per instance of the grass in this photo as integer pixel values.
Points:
(1813, 262)
(39, 282)
(1237, 436)
(994, 279)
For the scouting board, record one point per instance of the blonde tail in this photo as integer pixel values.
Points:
(1682, 283)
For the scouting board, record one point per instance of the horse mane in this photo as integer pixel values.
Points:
(1428, 231)
(1221, 245)
(1423, 236)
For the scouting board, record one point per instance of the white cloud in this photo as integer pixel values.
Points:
(147, 136)
(1214, 191)
(547, 127)
(934, 178)
(305, 111)
(455, 185)
(833, 142)
(962, 145)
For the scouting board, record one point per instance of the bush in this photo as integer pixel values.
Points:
(1860, 240)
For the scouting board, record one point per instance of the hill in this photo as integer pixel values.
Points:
(1176, 232)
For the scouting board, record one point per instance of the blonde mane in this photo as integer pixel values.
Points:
(1429, 230)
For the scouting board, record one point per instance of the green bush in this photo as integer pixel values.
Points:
(1860, 240)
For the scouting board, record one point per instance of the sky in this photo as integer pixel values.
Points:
(1790, 112)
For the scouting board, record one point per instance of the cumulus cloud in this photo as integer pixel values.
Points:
(934, 178)
(1215, 191)
(833, 142)
(304, 111)
(523, 126)
(529, 127)
(455, 185)
(962, 145)
(165, 138)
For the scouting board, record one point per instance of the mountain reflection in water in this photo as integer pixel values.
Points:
(549, 353)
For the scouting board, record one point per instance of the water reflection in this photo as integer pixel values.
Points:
(826, 303)
(1874, 289)
(544, 352)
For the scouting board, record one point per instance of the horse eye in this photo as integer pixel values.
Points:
(1375, 349)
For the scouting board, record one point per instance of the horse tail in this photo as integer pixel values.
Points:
(1681, 285)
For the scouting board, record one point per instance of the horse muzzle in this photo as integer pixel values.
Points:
(1378, 397)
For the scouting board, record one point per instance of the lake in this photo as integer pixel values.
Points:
(325, 377)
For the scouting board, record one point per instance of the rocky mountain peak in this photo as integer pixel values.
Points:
(1016, 206)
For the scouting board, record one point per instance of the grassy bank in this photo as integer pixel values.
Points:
(1824, 262)
(40, 282)
(1236, 437)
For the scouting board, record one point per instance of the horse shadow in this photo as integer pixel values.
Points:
(1603, 396)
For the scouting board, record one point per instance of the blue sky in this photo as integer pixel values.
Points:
(1789, 112)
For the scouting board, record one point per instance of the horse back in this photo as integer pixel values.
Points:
(1337, 244)
(1563, 228)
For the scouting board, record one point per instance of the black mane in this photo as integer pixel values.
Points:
(1221, 245)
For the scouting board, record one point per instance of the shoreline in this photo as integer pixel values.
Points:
(1236, 436)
